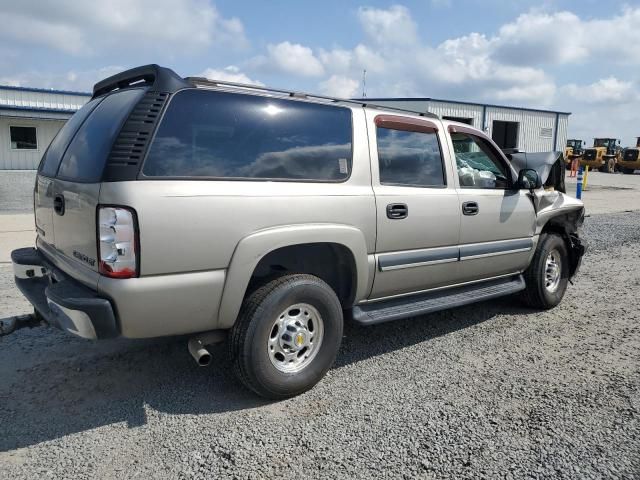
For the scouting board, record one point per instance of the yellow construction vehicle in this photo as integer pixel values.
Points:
(630, 160)
(572, 151)
(604, 155)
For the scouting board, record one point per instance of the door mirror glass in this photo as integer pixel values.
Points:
(528, 179)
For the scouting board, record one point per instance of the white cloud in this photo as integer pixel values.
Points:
(291, 58)
(229, 74)
(77, 80)
(399, 64)
(339, 86)
(605, 90)
(393, 26)
(79, 27)
(337, 60)
(562, 37)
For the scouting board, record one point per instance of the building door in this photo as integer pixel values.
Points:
(505, 134)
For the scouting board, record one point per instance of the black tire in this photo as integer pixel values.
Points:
(627, 171)
(536, 293)
(248, 343)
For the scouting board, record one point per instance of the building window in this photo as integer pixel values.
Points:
(23, 138)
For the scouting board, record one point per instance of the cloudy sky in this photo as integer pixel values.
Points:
(581, 56)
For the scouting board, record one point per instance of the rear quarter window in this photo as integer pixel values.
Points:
(86, 156)
(237, 136)
(52, 157)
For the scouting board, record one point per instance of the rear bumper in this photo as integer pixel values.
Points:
(61, 301)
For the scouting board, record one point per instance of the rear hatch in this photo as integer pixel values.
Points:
(69, 178)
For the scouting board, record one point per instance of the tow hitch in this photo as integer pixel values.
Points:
(9, 325)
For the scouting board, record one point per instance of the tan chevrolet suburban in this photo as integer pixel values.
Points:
(173, 206)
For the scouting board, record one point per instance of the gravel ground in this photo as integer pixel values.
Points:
(488, 391)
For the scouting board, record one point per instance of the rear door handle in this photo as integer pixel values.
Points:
(58, 204)
(397, 211)
(470, 208)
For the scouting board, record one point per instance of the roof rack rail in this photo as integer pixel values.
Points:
(159, 78)
(202, 81)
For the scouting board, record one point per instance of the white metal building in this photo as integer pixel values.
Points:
(528, 129)
(29, 119)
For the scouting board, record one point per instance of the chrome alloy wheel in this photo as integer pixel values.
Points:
(295, 338)
(552, 271)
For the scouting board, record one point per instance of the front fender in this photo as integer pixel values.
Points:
(562, 214)
(252, 248)
(553, 205)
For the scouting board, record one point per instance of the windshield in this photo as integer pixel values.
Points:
(604, 142)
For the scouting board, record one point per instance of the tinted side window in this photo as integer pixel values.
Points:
(409, 158)
(230, 135)
(52, 157)
(478, 165)
(87, 154)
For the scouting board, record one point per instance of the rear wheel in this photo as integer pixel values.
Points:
(627, 171)
(287, 336)
(548, 275)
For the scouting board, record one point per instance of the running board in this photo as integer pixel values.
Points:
(404, 307)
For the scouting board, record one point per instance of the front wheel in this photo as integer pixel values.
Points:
(628, 171)
(287, 336)
(548, 274)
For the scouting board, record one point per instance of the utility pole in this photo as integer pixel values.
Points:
(364, 84)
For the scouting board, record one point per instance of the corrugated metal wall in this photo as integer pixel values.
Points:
(563, 127)
(535, 129)
(458, 110)
(11, 159)
(415, 105)
(14, 97)
(46, 110)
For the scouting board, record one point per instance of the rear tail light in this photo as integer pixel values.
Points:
(118, 242)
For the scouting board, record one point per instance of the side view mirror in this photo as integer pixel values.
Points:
(528, 179)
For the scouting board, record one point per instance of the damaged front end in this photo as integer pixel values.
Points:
(556, 211)
(559, 213)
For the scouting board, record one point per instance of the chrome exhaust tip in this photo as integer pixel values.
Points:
(199, 352)
(198, 345)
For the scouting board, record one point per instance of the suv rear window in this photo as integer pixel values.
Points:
(87, 153)
(231, 135)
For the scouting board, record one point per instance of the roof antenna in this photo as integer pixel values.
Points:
(364, 84)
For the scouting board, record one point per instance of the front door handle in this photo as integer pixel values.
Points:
(470, 208)
(397, 211)
(58, 204)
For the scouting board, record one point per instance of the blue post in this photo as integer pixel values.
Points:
(579, 184)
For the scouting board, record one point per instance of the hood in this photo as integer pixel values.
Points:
(549, 165)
